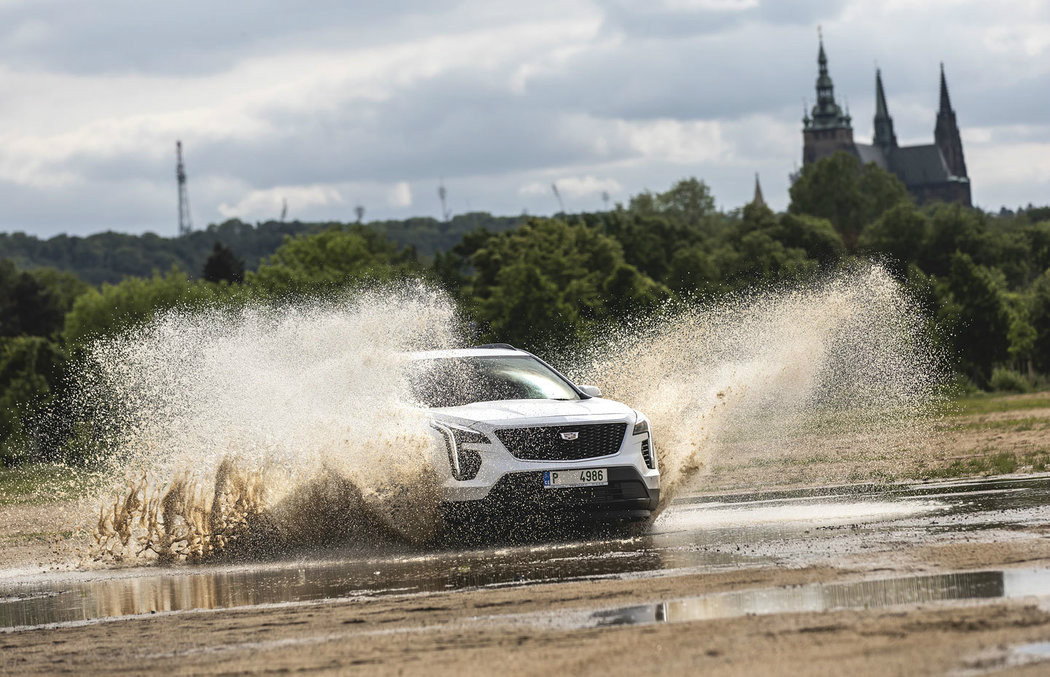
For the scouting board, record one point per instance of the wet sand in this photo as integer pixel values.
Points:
(783, 591)
(479, 631)
(517, 609)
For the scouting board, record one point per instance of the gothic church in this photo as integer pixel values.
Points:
(930, 172)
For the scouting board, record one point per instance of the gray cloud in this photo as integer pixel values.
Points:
(654, 20)
(581, 91)
(190, 36)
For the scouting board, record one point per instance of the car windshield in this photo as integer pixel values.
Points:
(455, 381)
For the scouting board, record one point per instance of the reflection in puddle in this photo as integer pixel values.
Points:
(828, 597)
(1039, 650)
(217, 588)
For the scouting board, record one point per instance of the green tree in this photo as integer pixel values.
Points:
(689, 201)
(551, 283)
(974, 309)
(953, 229)
(222, 265)
(330, 260)
(31, 367)
(115, 307)
(694, 271)
(900, 233)
(849, 195)
(1039, 317)
(763, 249)
(650, 240)
(450, 268)
(1021, 335)
(34, 302)
(815, 236)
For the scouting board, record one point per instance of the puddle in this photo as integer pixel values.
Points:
(96, 595)
(702, 534)
(715, 516)
(997, 660)
(873, 594)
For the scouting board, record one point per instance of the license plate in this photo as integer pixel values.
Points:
(591, 477)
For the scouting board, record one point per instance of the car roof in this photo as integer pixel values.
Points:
(467, 352)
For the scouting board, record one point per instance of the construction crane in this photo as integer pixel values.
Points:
(185, 222)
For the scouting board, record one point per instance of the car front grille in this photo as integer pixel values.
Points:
(547, 444)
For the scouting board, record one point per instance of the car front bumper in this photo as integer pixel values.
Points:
(627, 491)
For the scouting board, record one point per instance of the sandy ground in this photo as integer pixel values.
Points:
(477, 631)
(466, 632)
(842, 460)
(29, 537)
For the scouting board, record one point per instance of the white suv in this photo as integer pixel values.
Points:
(515, 433)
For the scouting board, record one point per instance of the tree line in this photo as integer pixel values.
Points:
(983, 279)
(110, 257)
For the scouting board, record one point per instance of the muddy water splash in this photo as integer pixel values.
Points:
(262, 427)
(265, 427)
(765, 376)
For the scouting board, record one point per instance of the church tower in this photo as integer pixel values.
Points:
(828, 129)
(930, 171)
(946, 133)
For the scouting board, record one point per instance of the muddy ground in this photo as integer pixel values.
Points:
(481, 631)
(610, 605)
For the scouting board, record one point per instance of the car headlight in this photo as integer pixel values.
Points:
(641, 427)
(464, 436)
(464, 463)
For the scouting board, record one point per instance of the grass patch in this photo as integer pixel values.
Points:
(36, 537)
(992, 404)
(1012, 425)
(43, 483)
(1002, 463)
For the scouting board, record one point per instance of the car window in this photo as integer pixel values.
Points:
(453, 382)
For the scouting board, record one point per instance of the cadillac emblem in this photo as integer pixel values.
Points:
(570, 436)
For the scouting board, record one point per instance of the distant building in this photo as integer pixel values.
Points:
(930, 172)
(758, 200)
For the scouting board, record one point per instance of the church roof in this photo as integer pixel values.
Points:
(868, 153)
(914, 165)
(917, 165)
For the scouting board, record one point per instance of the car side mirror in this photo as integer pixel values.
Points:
(591, 391)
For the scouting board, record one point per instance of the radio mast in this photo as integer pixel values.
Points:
(185, 222)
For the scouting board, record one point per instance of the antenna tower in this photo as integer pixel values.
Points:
(443, 195)
(185, 223)
(557, 194)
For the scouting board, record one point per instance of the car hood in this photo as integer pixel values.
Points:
(535, 411)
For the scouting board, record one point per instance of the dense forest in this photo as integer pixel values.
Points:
(110, 257)
(983, 279)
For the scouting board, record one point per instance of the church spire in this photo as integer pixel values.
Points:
(946, 133)
(946, 103)
(884, 136)
(826, 113)
(758, 200)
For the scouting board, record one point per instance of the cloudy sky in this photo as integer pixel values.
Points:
(334, 103)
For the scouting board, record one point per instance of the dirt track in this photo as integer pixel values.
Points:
(472, 613)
